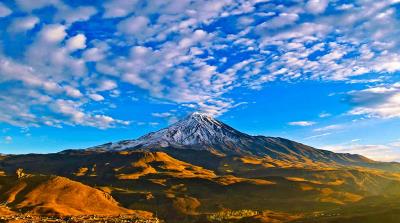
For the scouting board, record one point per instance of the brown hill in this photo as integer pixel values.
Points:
(176, 189)
(162, 163)
(121, 165)
(59, 196)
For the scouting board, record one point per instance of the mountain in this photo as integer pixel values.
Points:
(202, 132)
(201, 170)
(197, 131)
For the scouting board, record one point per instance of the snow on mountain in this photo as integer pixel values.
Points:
(196, 129)
(199, 131)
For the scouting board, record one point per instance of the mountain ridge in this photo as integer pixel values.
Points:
(201, 132)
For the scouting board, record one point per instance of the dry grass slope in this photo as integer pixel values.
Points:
(61, 196)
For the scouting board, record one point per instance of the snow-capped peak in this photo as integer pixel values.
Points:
(201, 117)
(195, 129)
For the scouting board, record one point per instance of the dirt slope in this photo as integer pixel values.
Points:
(61, 196)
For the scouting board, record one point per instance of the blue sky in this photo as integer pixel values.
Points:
(74, 74)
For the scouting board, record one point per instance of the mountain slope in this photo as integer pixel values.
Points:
(203, 133)
(59, 196)
(197, 131)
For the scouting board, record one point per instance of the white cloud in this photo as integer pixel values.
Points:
(72, 15)
(279, 21)
(324, 115)
(29, 5)
(153, 124)
(96, 97)
(329, 128)
(135, 79)
(106, 69)
(76, 116)
(317, 6)
(106, 85)
(24, 24)
(197, 36)
(389, 66)
(162, 115)
(137, 26)
(379, 152)
(319, 136)
(345, 6)
(47, 75)
(118, 8)
(72, 92)
(8, 139)
(76, 42)
(94, 54)
(19, 103)
(381, 101)
(51, 60)
(53, 33)
(395, 144)
(4, 10)
(302, 123)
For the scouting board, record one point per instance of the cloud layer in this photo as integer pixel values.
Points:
(75, 59)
